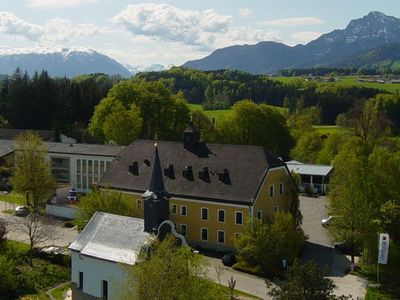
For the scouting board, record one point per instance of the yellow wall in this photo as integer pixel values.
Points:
(194, 223)
(265, 203)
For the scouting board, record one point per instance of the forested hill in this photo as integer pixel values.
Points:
(222, 89)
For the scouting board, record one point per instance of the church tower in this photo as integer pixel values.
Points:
(156, 198)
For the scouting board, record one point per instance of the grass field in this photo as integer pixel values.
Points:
(13, 198)
(328, 129)
(350, 80)
(220, 114)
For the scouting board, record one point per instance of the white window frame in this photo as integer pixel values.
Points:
(281, 188)
(276, 208)
(201, 213)
(218, 231)
(240, 212)
(201, 234)
(259, 212)
(180, 210)
(237, 234)
(218, 215)
(180, 227)
(176, 209)
(273, 190)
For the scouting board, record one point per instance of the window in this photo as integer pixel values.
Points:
(238, 218)
(237, 234)
(204, 234)
(271, 190)
(281, 188)
(276, 208)
(221, 236)
(183, 229)
(80, 281)
(102, 168)
(221, 215)
(108, 164)
(104, 289)
(259, 215)
(204, 214)
(183, 210)
(174, 209)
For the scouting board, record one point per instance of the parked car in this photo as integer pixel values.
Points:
(326, 221)
(228, 259)
(21, 211)
(343, 248)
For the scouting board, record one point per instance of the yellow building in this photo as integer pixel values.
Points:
(213, 188)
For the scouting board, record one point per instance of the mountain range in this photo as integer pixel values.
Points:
(369, 42)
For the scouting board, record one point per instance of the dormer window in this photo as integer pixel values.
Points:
(169, 171)
(205, 175)
(224, 176)
(188, 173)
(134, 168)
(147, 161)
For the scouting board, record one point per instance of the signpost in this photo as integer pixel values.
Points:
(383, 252)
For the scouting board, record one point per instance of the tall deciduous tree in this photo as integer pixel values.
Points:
(122, 126)
(169, 272)
(279, 237)
(253, 124)
(31, 173)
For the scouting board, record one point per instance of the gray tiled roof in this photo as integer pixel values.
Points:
(112, 237)
(7, 146)
(84, 149)
(246, 166)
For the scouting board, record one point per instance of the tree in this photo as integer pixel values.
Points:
(330, 148)
(279, 237)
(305, 281)
(307, 147)
(38, 229)
(253, 124)
(31, 173)
(109, 201)
(169, 272)
(208, 133)
(122, 126)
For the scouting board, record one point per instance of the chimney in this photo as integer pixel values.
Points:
(191, 137)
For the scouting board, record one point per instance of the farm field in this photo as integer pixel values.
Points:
(349, 80)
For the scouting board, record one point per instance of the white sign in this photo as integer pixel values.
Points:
(383, 248)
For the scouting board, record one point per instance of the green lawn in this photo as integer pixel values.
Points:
(13, 198)
(328, 129)
(59, 292)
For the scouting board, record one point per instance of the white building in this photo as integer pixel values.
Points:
(80, 165)
(77, 165)
(98, 255)
(312, 176)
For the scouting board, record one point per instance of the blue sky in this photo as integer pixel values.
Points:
(172, 32)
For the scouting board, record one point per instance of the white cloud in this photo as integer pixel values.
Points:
(303, 37)
(169, 23)
(245, 12)
(290, 22)
(57, 3)
(54, 30)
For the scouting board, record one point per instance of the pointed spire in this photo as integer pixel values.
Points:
(157, 181)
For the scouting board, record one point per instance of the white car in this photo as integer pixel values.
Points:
(326, 221)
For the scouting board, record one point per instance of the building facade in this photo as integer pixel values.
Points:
(214, 189)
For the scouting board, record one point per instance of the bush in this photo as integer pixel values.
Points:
(3, 232)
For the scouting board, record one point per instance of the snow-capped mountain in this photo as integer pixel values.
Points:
(142, 68)
(337, 48)
(61, 62)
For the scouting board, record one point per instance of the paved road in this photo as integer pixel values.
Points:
(61, 237)
(319, 248)
(244, 282)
